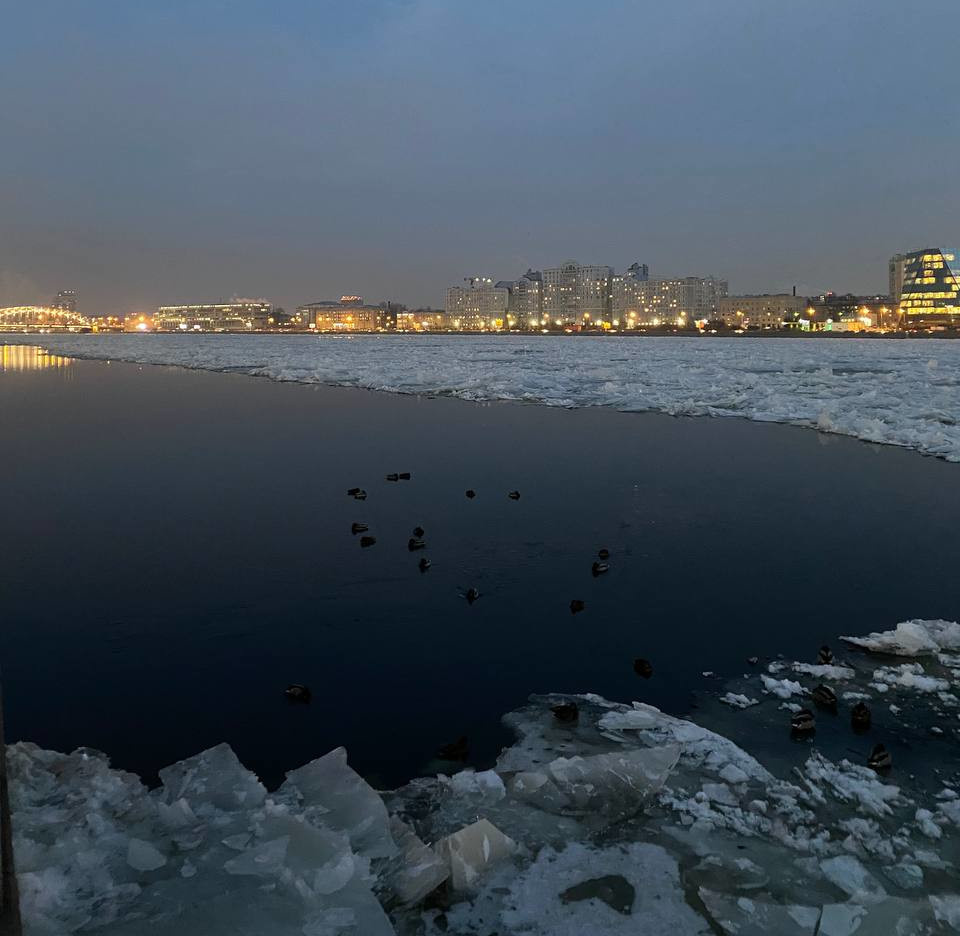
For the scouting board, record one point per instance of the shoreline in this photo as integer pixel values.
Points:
(635, 333)
(621, 789)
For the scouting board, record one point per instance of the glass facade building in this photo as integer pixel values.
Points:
(930, 291)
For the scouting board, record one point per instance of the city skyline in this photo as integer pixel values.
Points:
(376, 147)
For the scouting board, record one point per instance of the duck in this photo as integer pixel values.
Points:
(413, 543)
(577, 605)
(598, 568)
(297, 693)
(353, 492)
(514, 495)
(603, 553)
(824, 696)
(825, 656)
(471, 494)
(860, 717)
(643, 667)
(803, 722)
(424, 564)
(753, 661)
(358, 528)
(472, 594)
(418, 531)
(404, 475)
(393, 477)
(360, 495)
(880, 759)
(565, 712)
(457, 751)
(366, 541)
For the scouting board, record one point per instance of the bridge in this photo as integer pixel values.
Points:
(41, 318)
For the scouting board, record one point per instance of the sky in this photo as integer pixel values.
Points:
(190, 150)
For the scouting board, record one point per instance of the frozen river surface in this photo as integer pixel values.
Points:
(892, 392)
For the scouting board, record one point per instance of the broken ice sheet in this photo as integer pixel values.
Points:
(415, 871)
(911, 638)
(340, 798)
(212, 780)
(472, 851)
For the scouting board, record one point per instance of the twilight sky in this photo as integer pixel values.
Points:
(300, 149)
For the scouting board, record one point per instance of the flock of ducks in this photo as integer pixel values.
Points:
(804, 723)
(459, 749)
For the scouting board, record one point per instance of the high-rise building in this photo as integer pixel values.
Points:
(703, 296)
(479, 306)
(237, 315)
(930, 291)
(641, 301)
(626, 294)
(66, 300)
(526, 300)
(575, 294)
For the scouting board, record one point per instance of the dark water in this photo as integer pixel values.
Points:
(175, 549)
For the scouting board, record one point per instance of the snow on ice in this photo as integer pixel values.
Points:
(580, 829)
(911, 638)
(892, 392)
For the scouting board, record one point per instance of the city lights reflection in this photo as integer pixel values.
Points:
(17, 358)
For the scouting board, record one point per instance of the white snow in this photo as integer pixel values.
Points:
(908, 676)
(911, 638)
(738, 700)
(878, 390)
(781, 688)
(824, 670)
(576, 831)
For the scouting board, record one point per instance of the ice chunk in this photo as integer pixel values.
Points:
(946, 909)
(853, 783)
(344, 801)
(824, 670)
(472, 851)
(142, 856)
(215, 779)
(415, 870)
(720, 793)
(639, 717)
(737, 700)
(781, 688)
(906, 876)
(908, 676)
(176, 815)
(853, 878)
(840, 919)
(744, 917)
(487, 784)
(911, 638)
(733, 774)
(925, 821)
(264, 860)
(613, 783)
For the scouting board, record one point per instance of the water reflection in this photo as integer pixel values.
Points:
(17, 358)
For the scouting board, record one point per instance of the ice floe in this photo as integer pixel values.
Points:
(878, 390)
(911, 638)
